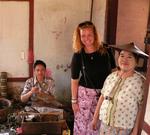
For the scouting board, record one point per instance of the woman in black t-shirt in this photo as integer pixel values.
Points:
(94, 62)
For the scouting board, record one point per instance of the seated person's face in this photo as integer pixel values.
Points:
(127, 61)
(39, 72)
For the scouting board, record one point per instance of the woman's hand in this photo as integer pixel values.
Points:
(35, 90)
(94, 124)
(26, 97)
(75, 107)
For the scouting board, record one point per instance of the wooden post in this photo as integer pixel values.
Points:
(143, 125)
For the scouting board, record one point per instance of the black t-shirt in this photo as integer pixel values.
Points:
(97, 67)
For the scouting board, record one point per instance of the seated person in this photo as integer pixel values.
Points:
(39, 90)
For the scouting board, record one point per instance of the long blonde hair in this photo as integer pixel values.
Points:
(77, 44)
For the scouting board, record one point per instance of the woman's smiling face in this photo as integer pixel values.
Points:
(87, 37)
(126, 61)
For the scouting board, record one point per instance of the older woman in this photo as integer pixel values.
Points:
(119, 106)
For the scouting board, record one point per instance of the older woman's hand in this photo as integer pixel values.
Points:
(94, 124)
(134, 131)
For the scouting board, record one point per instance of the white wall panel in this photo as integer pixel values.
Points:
(14, 36)
(55, 22)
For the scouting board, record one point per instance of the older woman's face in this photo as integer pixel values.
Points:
(126, 61)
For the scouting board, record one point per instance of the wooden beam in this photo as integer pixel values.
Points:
(15, 0)
(91, 13)
(17, 79)
(146, 91)
(143, 125)
(111, 21)
(31, 36)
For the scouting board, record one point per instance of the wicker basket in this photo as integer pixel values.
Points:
(4, 109)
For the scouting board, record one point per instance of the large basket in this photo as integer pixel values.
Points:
(4, 109)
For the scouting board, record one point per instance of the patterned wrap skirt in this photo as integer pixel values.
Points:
(108, 130)
(87, 100)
